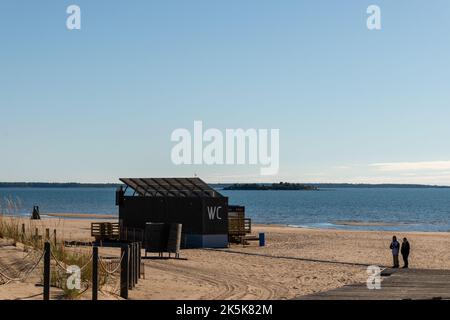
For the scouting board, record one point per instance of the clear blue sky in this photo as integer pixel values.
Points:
(99, 103)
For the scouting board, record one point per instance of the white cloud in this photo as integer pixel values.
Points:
(412, 166)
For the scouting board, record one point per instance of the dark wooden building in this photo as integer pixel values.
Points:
(201, 210)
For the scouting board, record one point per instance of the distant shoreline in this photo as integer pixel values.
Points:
(274, 186)
(57, 185)
(36, 185)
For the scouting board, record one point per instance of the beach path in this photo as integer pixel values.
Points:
(397, 284)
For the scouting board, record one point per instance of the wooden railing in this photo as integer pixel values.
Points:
(105, 231)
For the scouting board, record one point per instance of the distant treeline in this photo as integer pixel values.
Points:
(316, 186)
(57, 185)
(226, 186)
(273, 186)
(367, 185)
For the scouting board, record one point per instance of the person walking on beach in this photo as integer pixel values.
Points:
(395, 247)
(405, 252)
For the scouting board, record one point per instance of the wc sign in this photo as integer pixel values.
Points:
(213, 213)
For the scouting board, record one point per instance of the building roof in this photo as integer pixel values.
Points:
(170, 187)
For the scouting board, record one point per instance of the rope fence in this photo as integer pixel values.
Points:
(127, 265)
(61, 264)
(25, 276)
(114, 270)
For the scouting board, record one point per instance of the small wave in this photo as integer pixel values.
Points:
(313, 225)
(357, 223)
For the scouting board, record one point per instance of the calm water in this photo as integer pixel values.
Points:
(407, 209)
(62, 200)
(394, 209)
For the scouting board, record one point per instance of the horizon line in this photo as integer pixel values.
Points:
(215, 183)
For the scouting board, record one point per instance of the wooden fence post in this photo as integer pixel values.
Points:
(133, 263)
(47, 234)
(95, 273)
(54, 236)
(136, 255)
(124, 266)
(47, 271)
(130, 270)
(139, 260)
(136, 263)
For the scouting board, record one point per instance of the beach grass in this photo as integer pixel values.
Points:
(31, 236)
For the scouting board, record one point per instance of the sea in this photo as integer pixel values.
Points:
(388, 209)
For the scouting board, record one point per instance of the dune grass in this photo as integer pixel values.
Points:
(32, 236)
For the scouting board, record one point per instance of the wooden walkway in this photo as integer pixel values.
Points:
(397, 284)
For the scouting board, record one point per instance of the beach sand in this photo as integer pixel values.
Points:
(293, 263)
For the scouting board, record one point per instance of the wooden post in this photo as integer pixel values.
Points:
(36, 236)
(136, 263)
(131, 268)
(124, 265)
(47, 271)
(139, 260)
(95, 273)
(54, 236)
(47, 234)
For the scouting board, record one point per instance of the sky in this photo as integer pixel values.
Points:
(351, 104)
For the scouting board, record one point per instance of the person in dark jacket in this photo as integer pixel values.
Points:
(405, 252)
(395, 247)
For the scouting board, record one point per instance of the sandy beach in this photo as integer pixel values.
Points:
(293, 263)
